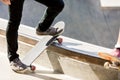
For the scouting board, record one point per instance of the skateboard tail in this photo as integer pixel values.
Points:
(59, 25)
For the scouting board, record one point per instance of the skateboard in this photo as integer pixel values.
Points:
(38, 49)
(112, 61)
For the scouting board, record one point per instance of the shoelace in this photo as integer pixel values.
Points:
(19, 63)
(52, 30)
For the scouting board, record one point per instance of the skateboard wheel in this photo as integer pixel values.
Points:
(33, 68)
(107, 65)
(60, 40)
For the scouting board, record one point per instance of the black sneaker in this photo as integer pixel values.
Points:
(51, 31)
(17, 65)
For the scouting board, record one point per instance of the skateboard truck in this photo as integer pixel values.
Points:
(114, 62)
(32, 68)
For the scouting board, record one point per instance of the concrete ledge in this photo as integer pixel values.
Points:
(80, 49)
(80, 59)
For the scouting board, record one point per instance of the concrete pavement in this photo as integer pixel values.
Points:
(41, 73)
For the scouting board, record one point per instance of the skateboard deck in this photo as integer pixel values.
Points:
(108, 57)
(114, 62)
(35, 52)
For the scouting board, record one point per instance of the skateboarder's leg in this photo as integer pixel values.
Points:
(118, 41)
(116, 51)
(15, 13)
(54, 7)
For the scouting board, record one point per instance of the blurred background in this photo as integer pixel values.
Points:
(85, 20)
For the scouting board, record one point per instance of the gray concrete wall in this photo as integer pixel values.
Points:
(85, 20)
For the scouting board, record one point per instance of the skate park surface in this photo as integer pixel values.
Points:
(41, 74)
(88, 22)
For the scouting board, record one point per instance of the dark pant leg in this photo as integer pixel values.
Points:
(54, 7)
(15, 14)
